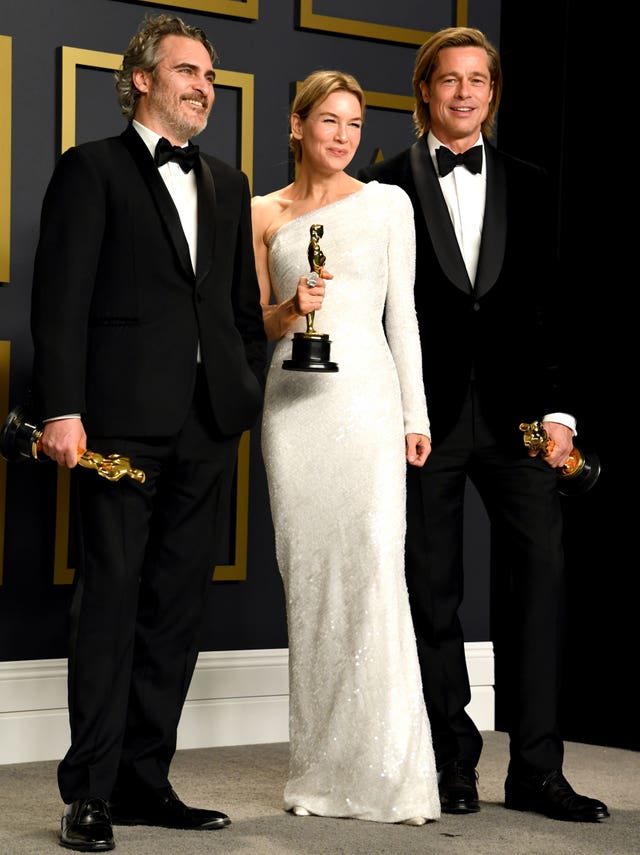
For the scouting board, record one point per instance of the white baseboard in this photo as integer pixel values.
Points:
(236, 697)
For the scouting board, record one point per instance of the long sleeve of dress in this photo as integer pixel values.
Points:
(400, 317)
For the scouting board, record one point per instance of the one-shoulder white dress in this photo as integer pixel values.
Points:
(334, 451)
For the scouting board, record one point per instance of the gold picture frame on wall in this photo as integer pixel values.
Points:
(234, 8)
(5, 160)
(310, 20)
(388, 101)
(72, 59)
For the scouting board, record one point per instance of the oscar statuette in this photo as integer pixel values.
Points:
(20, 438)
(579, 473)
(311, 350)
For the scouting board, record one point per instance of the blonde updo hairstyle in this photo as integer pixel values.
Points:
(313, 90)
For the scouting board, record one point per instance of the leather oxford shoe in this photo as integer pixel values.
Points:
(86, 826)
(552, 795)
(163, 808)
(458, 789)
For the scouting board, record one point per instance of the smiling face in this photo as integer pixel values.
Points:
(176, 99)
(330, 135)
(458, 94)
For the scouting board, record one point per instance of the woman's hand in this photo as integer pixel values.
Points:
(309, 297)
(418, 448)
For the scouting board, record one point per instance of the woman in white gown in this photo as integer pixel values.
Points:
(335, 447)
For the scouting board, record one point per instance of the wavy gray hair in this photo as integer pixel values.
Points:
(143, 51)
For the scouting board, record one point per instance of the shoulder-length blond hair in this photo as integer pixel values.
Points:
(427, 62)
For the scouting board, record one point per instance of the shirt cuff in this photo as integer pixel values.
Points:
(58, 418)
(562, 419)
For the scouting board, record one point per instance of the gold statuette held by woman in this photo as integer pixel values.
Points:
(578, 474)
(311, 350)
(21, 438)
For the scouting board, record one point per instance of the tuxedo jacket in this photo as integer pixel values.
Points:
(117, 310)
(505, 333)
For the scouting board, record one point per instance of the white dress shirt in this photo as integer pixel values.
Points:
(465, 194)
(181, 186)
(184, 192)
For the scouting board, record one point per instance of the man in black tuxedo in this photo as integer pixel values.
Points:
(149, 343)
(491, 323)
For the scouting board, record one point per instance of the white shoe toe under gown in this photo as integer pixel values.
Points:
(334, 451)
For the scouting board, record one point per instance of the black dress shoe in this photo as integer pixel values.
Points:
(458, 788)
(86, 826)
(552, 795)
(163, 808)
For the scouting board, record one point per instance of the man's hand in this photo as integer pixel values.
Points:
(559, 446)
(63, 440)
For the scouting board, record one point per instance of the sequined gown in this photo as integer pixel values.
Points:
(334, 451)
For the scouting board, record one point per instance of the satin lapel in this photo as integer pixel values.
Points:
(206, 220)
(436, 215)
(161, 196)
(494, 227)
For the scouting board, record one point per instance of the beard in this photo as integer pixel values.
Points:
(167, 106)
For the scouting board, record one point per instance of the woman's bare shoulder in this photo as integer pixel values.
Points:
(270, 211)
(276, 200)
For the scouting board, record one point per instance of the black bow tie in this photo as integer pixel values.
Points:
(447, 160)
(186, 157)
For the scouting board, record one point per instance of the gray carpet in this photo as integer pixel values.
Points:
(247, 782)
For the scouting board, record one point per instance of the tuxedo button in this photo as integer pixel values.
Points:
(476, 307)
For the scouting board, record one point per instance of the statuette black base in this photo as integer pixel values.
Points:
(577, 480)
(310, 352)
(19, 436)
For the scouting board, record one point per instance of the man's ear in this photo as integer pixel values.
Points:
(140, 79)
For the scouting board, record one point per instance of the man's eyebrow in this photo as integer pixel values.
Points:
(194, 67)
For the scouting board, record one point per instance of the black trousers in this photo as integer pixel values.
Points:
(522, 503)
(145, 557)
